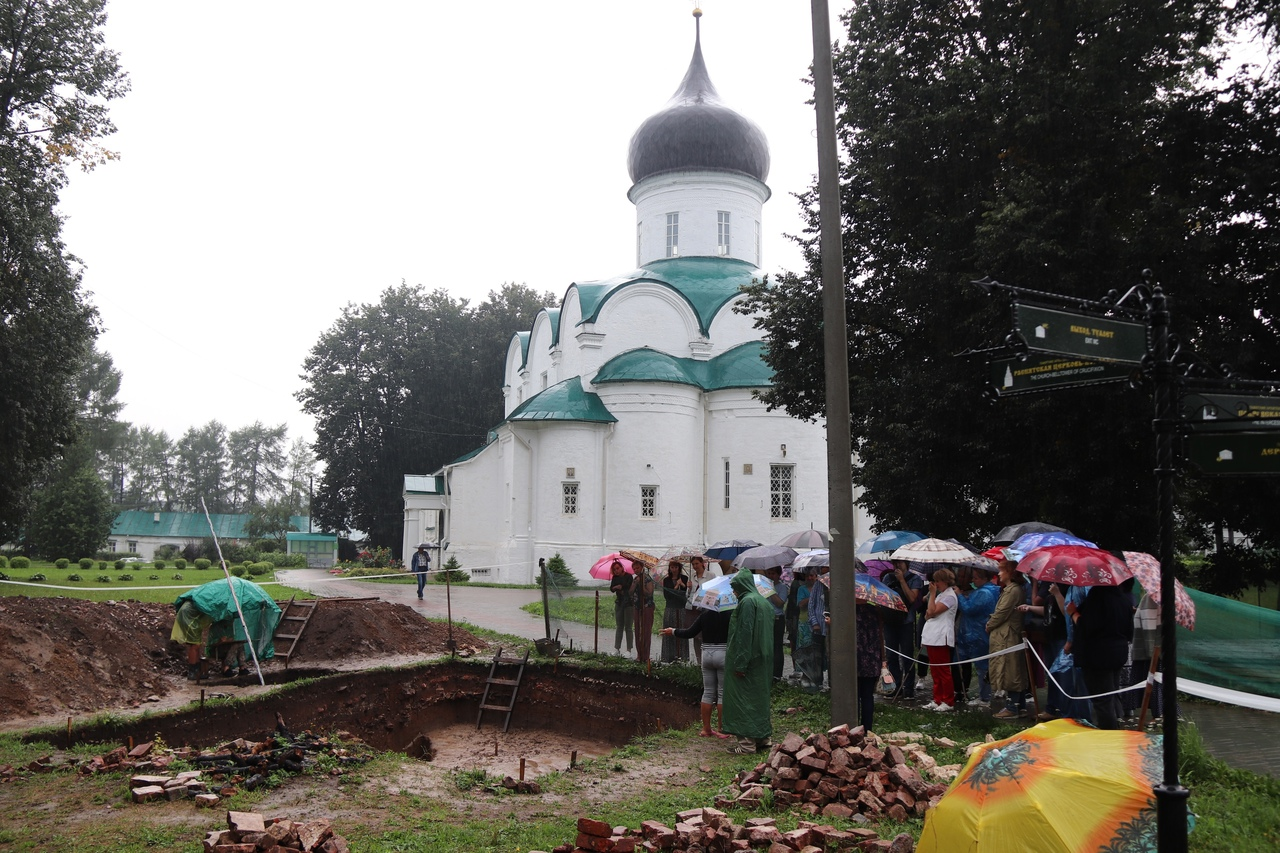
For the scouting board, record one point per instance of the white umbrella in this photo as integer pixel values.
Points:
(717, 593)
(933, 551)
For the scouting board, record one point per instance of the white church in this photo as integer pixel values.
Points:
(629, 416)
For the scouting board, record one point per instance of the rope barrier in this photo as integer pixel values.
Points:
(1224, 695)
(1019, 647)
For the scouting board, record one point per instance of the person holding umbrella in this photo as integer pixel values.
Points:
(675, 589)
(748, 666)
(420, 565)
(713, 627)
(1100, 645)
(1009, 672)
(620, 586)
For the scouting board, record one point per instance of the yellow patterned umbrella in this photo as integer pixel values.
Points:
(1056, 787)
(640, 557)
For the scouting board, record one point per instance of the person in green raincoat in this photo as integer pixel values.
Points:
(749, 668)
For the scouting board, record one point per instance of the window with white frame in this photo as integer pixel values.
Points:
(543, 380)
(648, 501)
(781, 481)
(570, 498)
(673, 235)
(722, 232)
(726, 482)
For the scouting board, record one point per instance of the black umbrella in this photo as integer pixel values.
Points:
(1008, 535)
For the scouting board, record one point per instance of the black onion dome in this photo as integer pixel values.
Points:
(695, 130)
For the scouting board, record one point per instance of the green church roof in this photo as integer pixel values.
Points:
(187, 525)
(706, 284)
(564, 401)
(741, 367)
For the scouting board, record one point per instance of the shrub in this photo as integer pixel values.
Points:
(202, 564)
(85, 563)
(126, 577)
(102, 565)
(178, 564)
(167, 552)
(239, 571)
(159, 564)
(4, 562)
(153, 577)
(119, 565)
(19, 563)
(260, 569)
(61, 563)
(561, 577)
(177, 577)
(103, 579)
(74, 577)
(3, 576)
(452, 573)
(38, 576)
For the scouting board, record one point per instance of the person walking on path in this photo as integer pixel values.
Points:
(675, 594)
(623, 615)
(713, 627)
(642, 591)
(420, 565)
(749, 668)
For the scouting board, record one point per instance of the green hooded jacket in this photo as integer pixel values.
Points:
(749, 662)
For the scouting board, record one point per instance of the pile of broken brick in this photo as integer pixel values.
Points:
(249, 832)
(711, 831)
(848, 773)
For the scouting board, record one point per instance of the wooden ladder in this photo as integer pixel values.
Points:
(513, 683)
(293, 622)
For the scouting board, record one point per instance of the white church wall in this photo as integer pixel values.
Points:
(751, 439)
(513, 383)
(698, 197)
(729, 328)
(656, 443)
(643, 314)
(542, 374)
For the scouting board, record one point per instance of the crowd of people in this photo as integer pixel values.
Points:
(955, 625)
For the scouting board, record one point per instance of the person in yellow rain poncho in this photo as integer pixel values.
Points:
(749, 668)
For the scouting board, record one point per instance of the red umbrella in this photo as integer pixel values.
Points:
(1075, 565)
(603, 568)
(1146, 569)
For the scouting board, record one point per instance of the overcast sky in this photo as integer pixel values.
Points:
(280, 159)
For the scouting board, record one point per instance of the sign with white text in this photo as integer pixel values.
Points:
(1043, 372)
(1080, 335)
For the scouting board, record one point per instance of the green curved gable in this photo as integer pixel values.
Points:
(706, 284)
(564, 401)
(553, 315)
(523, 338)
(741, 367)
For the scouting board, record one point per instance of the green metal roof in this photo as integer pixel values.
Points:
(312, 537)
(741, 367)
(564, 401)
(707, 284)
(187, 525)
(553, 314)
(471, 454)
(523, 337)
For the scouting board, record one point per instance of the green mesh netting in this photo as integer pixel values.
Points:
(1234, 645)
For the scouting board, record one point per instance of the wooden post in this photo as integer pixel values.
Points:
(1146, 694)
(597, 634)
(573, 759)
(68, 731)
(522, 769)
(202, 698)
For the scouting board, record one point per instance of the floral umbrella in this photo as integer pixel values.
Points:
(1075, 565)
(1008, 535)
(641, 557)
(1146, 569)
(603, 567)
(872, 591)
(941, 552)
(1058, 786)
(717, 593)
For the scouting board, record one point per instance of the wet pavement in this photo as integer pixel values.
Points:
(1242, 737)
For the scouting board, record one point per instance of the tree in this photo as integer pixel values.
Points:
(202, 468)
(55, 79)
(270, 521)
(101, 430)
(300, 468)
(403, 386)
(72, 517)
(149, 469)
(1062, 147)
(256, 464)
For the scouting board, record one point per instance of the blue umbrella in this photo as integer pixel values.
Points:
(884, 544)
(1027, 543)
(730, 548)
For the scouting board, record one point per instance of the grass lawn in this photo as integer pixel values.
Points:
(146, 583)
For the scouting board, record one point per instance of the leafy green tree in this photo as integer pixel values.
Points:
(256, 456)
(271, 521)
(55, 79)
(202, 468)
(101, 431)
(300, 468)
(402, 386)
(73, 515)
(149, 469)
(1061, 147)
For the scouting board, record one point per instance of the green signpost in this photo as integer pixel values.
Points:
(1230, 412)
(1080, 335)
(1236, 453)
(1042, 372)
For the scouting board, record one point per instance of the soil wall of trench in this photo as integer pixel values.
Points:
(389, 708)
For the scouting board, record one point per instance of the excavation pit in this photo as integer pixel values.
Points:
(429, 712)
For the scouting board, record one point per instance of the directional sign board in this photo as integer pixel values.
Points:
(1231, 412)
(1043, 372)
(1225, 453)
(1080, 335)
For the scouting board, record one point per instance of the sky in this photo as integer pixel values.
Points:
(281, 159)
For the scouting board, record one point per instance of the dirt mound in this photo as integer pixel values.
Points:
(67, 656)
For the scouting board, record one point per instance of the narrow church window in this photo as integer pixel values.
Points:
(726, 482)
(570, 498)
(757, 242)
(639, 233)
(673, 235)
(544, 380)
(648, 501)
(722, 232)
(780, 481)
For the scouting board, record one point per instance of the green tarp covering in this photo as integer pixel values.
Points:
(260, 611)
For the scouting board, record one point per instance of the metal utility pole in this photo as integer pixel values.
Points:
(842, 648)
